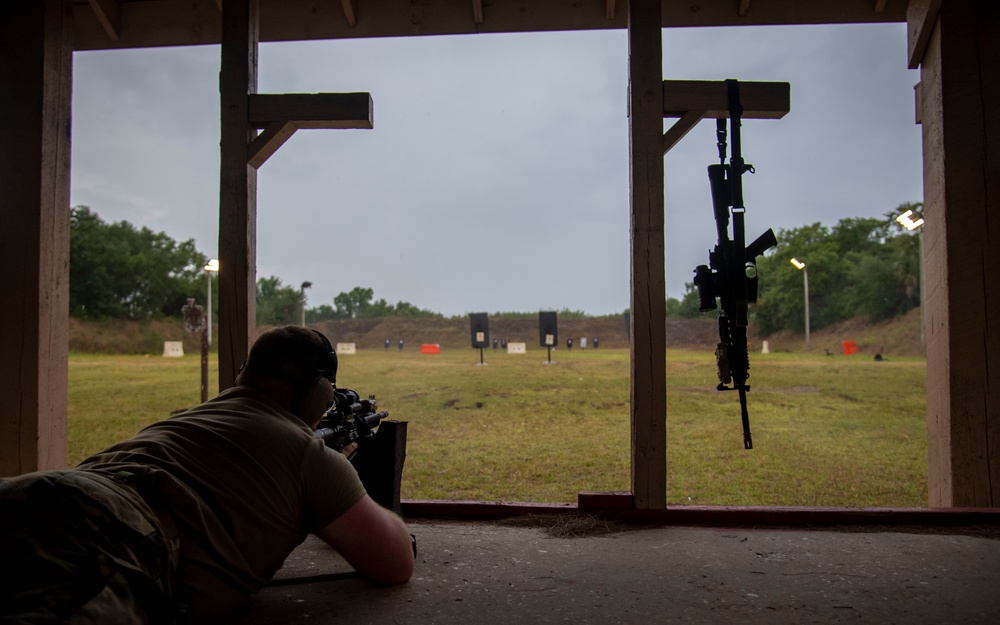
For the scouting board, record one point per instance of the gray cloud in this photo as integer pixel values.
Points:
(496, 177)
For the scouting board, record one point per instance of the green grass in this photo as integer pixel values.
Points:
(828, 431)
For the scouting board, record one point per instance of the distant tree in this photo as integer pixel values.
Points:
(277, 304)
(406, 309)
(687, 306)
(320, 313)
(358, 303)
(352, 304)
(861, 267)
(119, 271)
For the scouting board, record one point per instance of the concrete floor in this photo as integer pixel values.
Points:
(486, 573)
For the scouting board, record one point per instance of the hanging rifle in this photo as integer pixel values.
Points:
(731, 275)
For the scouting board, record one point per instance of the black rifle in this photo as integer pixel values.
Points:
(731, 275)
(350, 420)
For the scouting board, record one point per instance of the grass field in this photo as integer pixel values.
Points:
(828, 431)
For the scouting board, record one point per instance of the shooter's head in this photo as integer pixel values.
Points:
(294, 363)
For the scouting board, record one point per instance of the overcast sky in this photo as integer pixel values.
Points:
(496, 177)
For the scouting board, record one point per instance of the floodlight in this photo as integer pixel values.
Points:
(907, 222)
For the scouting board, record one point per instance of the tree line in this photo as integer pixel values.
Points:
(118, 271)
(859, 267)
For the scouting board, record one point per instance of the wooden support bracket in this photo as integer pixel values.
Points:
(694, 100)
(268, 142)
(680, 128)
(109, 14)
(350, 11)
(280, 115)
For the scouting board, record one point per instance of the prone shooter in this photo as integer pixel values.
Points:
(731, 275)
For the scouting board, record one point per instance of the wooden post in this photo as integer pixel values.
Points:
(959, 97)
(237, 189)
(204, 364)
(36, 68)
(648, 296)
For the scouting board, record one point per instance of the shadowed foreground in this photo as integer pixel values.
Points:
(485, 573)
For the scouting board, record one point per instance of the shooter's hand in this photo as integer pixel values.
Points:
(349, 450)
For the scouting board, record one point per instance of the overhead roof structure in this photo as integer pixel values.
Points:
(105, 24)
(955, 43)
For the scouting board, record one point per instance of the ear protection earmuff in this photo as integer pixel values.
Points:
(328, 364)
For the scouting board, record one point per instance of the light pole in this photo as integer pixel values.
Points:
(805, 281)
(302, 300)
(910, 224)
(210, 268)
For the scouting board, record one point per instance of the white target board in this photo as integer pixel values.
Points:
(517, 348)
(347, 348)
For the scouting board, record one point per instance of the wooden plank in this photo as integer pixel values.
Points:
(313, 110)
(921, 15)
(961, 141)
(108, 13)
(616, 506)
(603, 502)
(36, 56)
(237, 189)
(760, 100)
(196, 22)
(648, 294)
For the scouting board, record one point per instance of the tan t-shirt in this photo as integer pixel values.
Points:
(244, 480)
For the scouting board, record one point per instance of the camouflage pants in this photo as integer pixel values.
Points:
(74, 548)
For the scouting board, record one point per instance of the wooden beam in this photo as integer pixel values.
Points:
(921, 15)
(36, 54)
(109, 14)
(648, 406)
(350, 12)
(609, 9)
(312, 110)
(477, 11)
(760, 100)
(880, 5)
(237, 188)
(680, 128)
(744, 8)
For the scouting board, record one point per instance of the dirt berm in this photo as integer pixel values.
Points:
(899, 337)
(456, 333)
